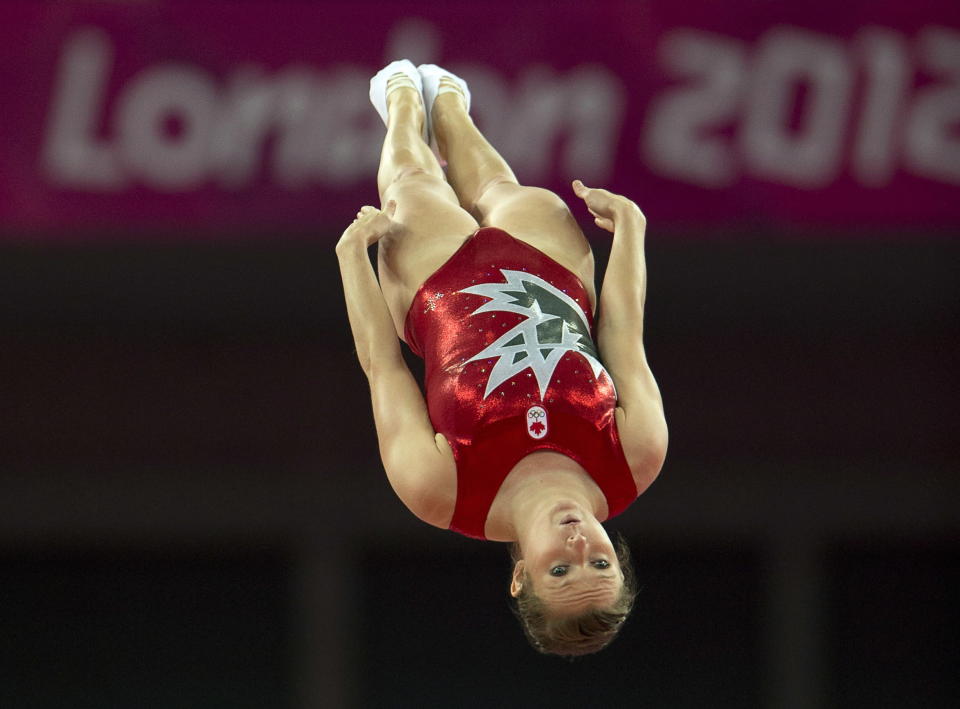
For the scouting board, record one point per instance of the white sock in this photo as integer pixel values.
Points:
(385, 81)
(430, 76)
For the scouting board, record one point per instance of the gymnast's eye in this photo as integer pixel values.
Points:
(602, 564)
(558, 571)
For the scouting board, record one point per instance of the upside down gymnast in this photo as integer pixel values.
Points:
(533, 431)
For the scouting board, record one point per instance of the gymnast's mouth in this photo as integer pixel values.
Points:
(570, 519)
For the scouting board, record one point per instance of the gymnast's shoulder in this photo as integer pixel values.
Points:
(643, 437)
(424, 477)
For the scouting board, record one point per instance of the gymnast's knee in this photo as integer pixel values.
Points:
(420, 181)
(414, 175)
(496, 188)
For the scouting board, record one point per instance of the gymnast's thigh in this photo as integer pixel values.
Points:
(543, 220)
(429, 226)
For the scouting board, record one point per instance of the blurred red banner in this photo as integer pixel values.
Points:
(181, 119)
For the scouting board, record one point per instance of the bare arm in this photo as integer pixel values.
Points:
(370, 322)
(640, 418)
(418, 461)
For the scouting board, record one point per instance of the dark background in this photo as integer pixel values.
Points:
(193, 512)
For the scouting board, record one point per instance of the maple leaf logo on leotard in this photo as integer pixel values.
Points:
(555, 324)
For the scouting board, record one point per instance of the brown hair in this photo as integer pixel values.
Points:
(579, 634)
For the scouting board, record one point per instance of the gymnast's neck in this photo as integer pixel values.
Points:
(536, 485)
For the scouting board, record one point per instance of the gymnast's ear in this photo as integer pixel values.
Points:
(516, 582)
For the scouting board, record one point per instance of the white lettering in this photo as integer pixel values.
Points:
(595, 106)
(73, 155)
(781, 114)
(888, 74)
(550, 122)
(682, 139)
(932, 145)
(787, 60)
(492, 114)
(168, 158)
(532, 120)
(340, 140)
(176, 127)
(246, 116)
(304, 122)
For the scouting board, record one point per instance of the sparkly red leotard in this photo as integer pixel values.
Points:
(511, 368)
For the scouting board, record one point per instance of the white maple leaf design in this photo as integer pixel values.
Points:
(554, 324)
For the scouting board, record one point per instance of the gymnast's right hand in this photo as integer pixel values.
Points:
(370, 225)
(608, 209)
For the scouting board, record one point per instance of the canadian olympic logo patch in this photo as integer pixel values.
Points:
(537, 422)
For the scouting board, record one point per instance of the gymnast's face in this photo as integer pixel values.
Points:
(570, 561)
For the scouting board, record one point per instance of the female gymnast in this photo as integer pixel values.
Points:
(532, 432)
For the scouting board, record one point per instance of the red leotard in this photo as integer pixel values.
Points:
(511, 368)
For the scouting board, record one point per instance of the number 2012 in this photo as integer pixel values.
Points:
(799, 105)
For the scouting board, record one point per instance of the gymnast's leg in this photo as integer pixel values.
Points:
(429, 224)
(489, 190)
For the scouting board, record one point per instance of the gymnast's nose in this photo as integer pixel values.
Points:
(576, 540)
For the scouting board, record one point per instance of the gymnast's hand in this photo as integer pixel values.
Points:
(608, 209)
(370, 226)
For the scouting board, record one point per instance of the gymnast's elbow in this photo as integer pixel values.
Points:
(385, 358)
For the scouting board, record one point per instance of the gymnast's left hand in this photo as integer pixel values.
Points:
(370, 226)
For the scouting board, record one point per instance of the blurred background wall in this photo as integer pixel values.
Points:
(192, 509)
